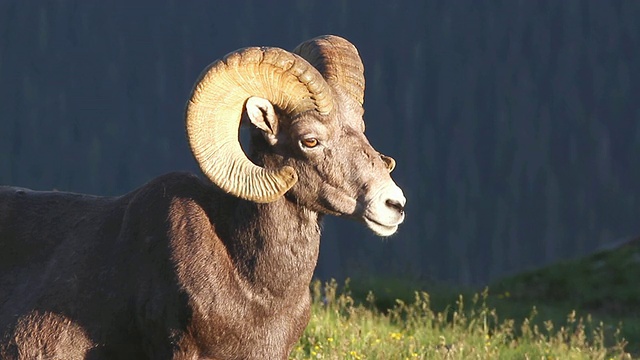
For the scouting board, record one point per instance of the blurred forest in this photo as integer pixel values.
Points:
(515, 124)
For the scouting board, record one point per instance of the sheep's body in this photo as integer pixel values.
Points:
(130, 277)
(188, 269)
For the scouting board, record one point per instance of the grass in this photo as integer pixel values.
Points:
(581, 309)
(342, 328)
(604, 284)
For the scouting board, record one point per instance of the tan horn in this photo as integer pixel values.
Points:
(338, 61)
(217, 101)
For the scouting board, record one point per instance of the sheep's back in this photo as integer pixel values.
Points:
(48, 240)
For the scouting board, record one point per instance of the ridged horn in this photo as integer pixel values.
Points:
(215, 108)
(338, 61)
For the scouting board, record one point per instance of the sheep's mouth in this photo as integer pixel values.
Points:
(379, 228)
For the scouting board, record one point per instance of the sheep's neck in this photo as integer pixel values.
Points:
(284, 239)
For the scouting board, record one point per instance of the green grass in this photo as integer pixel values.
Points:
(605, 285)
(582, 309)
(344, 328)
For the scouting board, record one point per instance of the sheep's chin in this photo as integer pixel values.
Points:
(380, 229)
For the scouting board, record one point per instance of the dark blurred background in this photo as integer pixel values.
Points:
(515, 124)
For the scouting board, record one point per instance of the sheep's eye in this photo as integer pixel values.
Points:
(309, 142)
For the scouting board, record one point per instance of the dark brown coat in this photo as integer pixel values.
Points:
(153, 274)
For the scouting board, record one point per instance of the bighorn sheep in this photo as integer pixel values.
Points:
(185, 268)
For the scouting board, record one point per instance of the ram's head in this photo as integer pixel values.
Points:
(308, 142)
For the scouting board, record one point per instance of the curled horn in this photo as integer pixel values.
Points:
(215, 108)
(338, 61)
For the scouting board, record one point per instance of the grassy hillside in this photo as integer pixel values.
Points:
(605, 285)
(581, 309)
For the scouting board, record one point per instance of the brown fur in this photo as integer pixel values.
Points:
(41, 336)
(153, 273)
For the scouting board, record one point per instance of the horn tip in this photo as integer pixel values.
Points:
(289, 176)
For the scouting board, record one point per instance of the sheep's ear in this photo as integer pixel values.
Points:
(263, 116)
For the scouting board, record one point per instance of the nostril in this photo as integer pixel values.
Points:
(394, 204)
